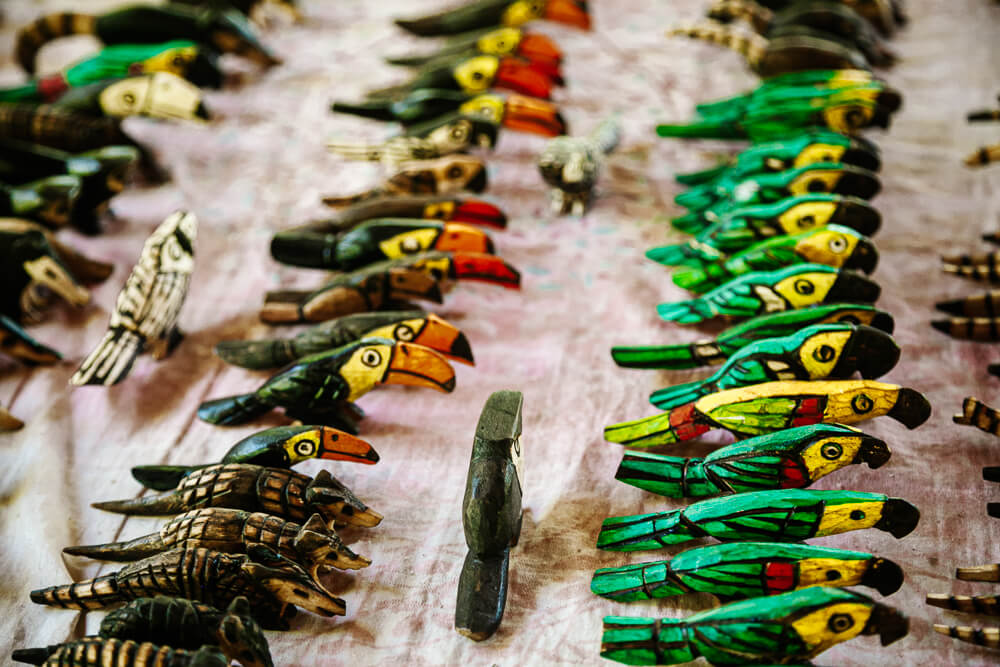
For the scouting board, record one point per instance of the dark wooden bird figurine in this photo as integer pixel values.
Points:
(481, 14)
(30, 273)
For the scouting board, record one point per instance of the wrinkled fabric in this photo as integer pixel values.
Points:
(262, 166)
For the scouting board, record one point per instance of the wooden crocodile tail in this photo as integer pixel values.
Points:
(140, 547)
(750, 46)
(31, 38)
(160, 505)
(95, 593)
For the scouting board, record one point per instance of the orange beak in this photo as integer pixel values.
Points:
(485, 268)
(529, 114)
(444, 337)
(419, 366)
(523, 77)
(570, 12)
(457, 237)
(542, 52)
(336, 445)
(479, 212)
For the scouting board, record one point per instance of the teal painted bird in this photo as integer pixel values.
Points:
(786, 629)
(792, 458)
(786, 515)
(713, 352)
(480, 14)
(819, 352)
(796, 286)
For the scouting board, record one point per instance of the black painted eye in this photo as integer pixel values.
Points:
(831, 451)
(824, 353)
(478, 76)
(403, 332)
(804, 287)
(832, 575)
(128, 98)
(838, 244)
(862, 404)
(840, 622)
(850, 319)
(816, 185)
(807, 221)
(178, 62)
(371, 358)
(305, 448)
(455, 172)
(855, 118)
(857, 515)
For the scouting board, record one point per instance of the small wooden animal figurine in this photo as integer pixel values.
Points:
(793, 458)
(159, 95)
(475, 266)
(16, 343)
(830, 245)
(480, 14)
(820, 177)
(272, 584)
(773, 406)
(743, 228)
(986, 304)
(311, 545)
(747, 570)
(224, 30)
(988, 637)
(454, 173)
(713, 352)
(572, 165)
(278, 447)
(491, 516)
(100, 652)
(978, 414)
(31, 273)
(476, 75)
(376, 241)
(786, 515)
(315, 388)
(982, 329)
(275, 491)
(784, 629)
(984, 267)
(408, 326)
(534, 47)
(59, 127)
(444, 209)
(885, 15)
(978, 573)
(50, 201)
(762, 292)
(183, 624)
(454, 134)
(85, 269)
(988, 605)
(818, 352)
(148, 306)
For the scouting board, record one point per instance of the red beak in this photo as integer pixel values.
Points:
(485, 268)
(523, 77)
(527, 114)
(543, 53)
(570, 12)
(456, 237)
(479, 212)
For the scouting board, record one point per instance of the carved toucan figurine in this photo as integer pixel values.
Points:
(885, 15)
(504, 41)
(278, 447)
(475, 266)
(225, 30)
(715, 351)
(50, 201)
(818, 352)
(320, 388)
(480, 14)
(446, 175)
(159, 95)
(31, 272)
(375, 241)
(408, 326)
(454, 133)
(475, 75)
(181, 58)
(773, 406)
(17, 343)
(88, 271)
(514, 112)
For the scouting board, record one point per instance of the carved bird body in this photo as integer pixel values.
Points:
(446, 175)
(452, 134)
(571, 165)
(480, 14)
(31, 271)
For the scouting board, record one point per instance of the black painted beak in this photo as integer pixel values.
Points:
(871, 352)
(889, 624)
(884, 576)
(850, 287)
(899, 518)
(857, 214)
(911, 409)
(858, 182)
(202, 112)
(478, 182)
(864, 258)
(874, 452)
(859, 155)
(883, 321)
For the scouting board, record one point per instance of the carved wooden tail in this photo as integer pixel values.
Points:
(607, 135)
(340, 202)
(981, 636)
(233, 410)
(726, 11)
(161, 505)
(978, 414)
(256, 354)
(750, 46)
(974, 604)
(140, 547)
(90, 594)
(31, 38)
(670, 357)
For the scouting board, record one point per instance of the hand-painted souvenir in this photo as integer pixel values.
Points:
(408, 326)
(830, 245)
(312, 545)
(713, 352)
(242, 486)
(9, 422)
(373, 288)
(743, 570)
(986, 304)
(16, 343)
(759, 293)
(988, 637)
(376, 241)
(476, 75)
(481, 14)
(272, 584)
(819, 352)
(982, 329)
(315, 388)
(572, 165)
(988, 605)
(278, 447)
(62, 128)
(885, 15)
(790, 459)
(88, 271)
(454, 133)
(100, 652)
(786, 515)
(491, 516)
(819, 177)
(806, 147)
(50, 201)
(223, 29)
(983, 156)
(975, 267)
(773, 406)
(148, 306)
(446, 175)
(31, 273)
(183, 624)
(444, 209)
(784, 629)
(743, 228)
(181, 58)
(462, 266)
(258, 11)
(159, 95)
(978, 414)
(504, 41)
(978, 573)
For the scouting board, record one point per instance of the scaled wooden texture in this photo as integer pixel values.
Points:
(263, 166)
